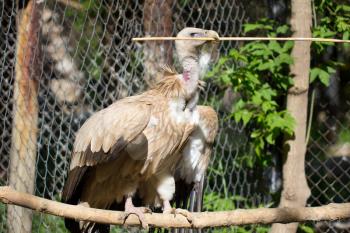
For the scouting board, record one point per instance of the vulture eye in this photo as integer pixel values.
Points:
(194, 34)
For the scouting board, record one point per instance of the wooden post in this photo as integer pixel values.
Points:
(295, 189)
(25, 114)
(158, 21)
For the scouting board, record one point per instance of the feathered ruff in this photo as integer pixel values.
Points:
(170, 87)
(168, 70)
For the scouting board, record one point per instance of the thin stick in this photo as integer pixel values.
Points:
(199, 220)
(243, 39)
(71, 3)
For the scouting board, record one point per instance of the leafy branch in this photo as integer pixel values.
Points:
(259, 71)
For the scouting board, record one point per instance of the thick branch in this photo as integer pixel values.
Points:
(295, 188)
(200, 220)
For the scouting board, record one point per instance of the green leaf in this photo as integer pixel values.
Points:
(346, 36)
(270, 138)
(246, 116)
(237, 116)
(331, 70)
(314, 72)
(282, 29)
(237, 55)
(288, 46)
(284, 58)
(306, 229)
(343, 7)
(266, 66)
(275, 46)
(324, 77)
(248, 27)
(321, 74)
(255, 134)
(251, 27)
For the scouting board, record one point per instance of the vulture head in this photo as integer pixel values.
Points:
(192, 47)
(197, 49)
(195, 55)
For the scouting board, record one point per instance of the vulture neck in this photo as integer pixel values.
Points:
(191, 75)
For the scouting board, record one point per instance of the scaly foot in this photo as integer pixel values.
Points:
(138, 211)
(167, 209)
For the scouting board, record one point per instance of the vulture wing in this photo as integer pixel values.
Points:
(108, 131)
(103, 136)
(190, 171)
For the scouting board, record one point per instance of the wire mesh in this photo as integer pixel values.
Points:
(88, 61)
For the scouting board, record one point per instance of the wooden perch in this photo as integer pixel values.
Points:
(244, 39)
(200, 220)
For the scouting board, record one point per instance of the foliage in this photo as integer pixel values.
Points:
(332, 20)
(2, 217)
(215, 202)
(344, 135)
(43, 223)
(305, 228)
(259, 71)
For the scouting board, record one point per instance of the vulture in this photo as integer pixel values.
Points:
(196, 154)
(137, 140)
(195, 158)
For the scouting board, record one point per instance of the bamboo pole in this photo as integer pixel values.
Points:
(199, 220)
(140, 39)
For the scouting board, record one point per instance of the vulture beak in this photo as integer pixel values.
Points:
(213, 34)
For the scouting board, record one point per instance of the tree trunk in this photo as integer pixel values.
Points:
(25, 114)
(157, 22)
(295, 189)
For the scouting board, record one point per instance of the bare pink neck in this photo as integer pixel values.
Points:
(186, 75)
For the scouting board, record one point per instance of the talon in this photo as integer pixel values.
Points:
(169, 211)
(138, 211)
(187, 214)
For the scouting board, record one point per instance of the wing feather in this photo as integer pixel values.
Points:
(109, 131)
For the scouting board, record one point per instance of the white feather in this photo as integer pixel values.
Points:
(153, 121)
(191, 157)
(176, 110)
(204, 61)
(166, 187)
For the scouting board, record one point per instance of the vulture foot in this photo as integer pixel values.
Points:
(138, 211)
(187, 214)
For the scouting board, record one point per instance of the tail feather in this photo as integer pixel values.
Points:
(71, 195)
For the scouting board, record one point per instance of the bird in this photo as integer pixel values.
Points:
(194, 157)
(134, 140)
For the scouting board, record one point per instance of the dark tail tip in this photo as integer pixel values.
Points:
(72, 225)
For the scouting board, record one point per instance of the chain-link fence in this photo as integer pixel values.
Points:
(86, 60)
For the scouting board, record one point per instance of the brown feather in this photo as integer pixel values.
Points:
(168, 71)
(105, 135)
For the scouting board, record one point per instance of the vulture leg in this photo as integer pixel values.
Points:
(138, 211)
